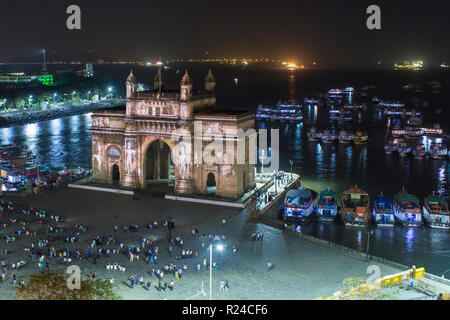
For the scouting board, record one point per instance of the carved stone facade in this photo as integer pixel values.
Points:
(156, 137)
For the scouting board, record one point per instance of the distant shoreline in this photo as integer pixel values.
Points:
(21, 117)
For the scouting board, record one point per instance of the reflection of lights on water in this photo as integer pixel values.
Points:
(6, 134)
(410, 234)
(31, 130)
(55, 125)
(442, 180)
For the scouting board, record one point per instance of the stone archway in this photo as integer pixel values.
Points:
(158, 163)
(211, 185)
(115, 174)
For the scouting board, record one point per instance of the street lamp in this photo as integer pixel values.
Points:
(369, 233)
(262, 157)
(291, 162)
(220, 248)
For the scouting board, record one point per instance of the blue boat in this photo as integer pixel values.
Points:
(327, 206)
(383, 213)
(298, 204)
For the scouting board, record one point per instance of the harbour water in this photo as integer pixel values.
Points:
(65, 142)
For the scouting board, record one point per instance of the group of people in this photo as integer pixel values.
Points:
(53, 243)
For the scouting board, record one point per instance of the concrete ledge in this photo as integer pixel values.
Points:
(119, 191)
(437, 279)
(206, 201)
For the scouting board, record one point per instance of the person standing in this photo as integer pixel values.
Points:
(224, 222)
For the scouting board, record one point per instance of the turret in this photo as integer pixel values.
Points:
(210, 81)
(158, 83)
(131, 85)
(186, 87)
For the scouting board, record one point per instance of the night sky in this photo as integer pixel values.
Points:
(328, 32)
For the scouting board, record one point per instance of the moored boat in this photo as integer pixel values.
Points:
(355, 207)
(436, 213)
(345, 137)
(313, 135)
(327, 206)
(407, 209)
(382, 213)
(390, 147)
(419, 152)
(328, 137)
(403, 149)
(298, 204)
(360, 138)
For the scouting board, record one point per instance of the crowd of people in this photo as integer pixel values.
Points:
(48, 242)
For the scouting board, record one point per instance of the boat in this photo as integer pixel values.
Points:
(346, 137)
(436, 213)
(327, 205)
(328, 137)
(295, 118)
(383, 214)
(403, 149)
(360, 138)
(390, 104)
(407, 209)
(419, 152)
(435, 132)
(313, 135)
(345, 116)
(280, 112)
(415, 119)
(390, 147)
(298, 204)
(311, 101)
(437, 150)
(355, 207)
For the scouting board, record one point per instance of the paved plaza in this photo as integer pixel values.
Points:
(302, 270)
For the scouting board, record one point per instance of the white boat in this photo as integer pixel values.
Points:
(403, 149)
(438, 150)
(346, 137)
(407, 209)
(390, 147)
(328, 137)
(436, 213)
(313, 135)
(419, 152)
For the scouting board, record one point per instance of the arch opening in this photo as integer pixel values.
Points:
(211, 183)
(158, 165)
(115, 174)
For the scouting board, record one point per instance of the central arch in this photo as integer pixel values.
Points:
(158, 163)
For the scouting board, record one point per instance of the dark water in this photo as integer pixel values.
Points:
(65, 142)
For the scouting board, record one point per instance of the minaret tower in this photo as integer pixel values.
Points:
(158, 82)
(186, 87)
(210, 81)
(131, 85)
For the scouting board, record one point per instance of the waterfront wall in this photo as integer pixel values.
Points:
(20, 117)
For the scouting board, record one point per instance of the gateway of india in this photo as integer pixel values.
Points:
(133, 146)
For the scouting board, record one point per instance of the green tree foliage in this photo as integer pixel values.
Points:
(52, 285)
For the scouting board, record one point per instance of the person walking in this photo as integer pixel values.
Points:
(224, 222)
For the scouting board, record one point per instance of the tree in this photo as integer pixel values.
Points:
(52, 285)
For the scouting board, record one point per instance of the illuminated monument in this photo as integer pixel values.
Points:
(152, 139)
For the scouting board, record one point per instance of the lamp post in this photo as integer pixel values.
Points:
(220, 248)
(291, 162)
(369, 233)
(262, 157)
